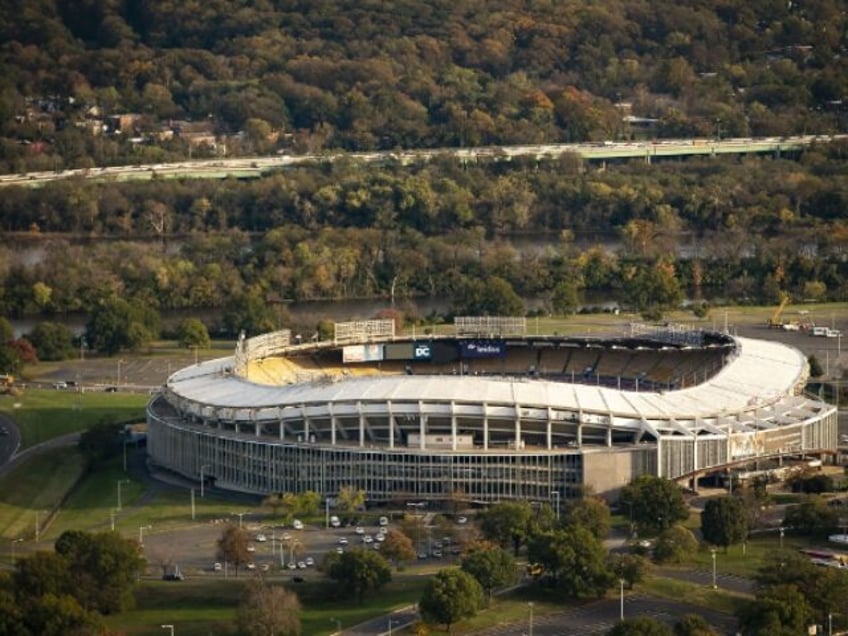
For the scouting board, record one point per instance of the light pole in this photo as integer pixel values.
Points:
(621, 587)
(781, 537)
(112, 519)
(555, 493)
(392, 622)
(121, 481)
(118, 375)
(37, 526)
(239, 515)
(125, 454)
(530, 626)
(141, 530)
(202, 478)
(326, 512)
(14, 541)
(338, 625)
(829, 624)
(713, 552)
(171, 627)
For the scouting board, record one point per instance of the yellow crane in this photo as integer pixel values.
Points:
(775, 321)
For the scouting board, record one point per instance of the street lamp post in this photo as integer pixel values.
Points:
(170, 627)
(326, 512)
(121, 481)
(239, 515)
(118, 375)
(530, 625)
(781, 537)
(555, 493)
(621, 587)
(112, 519)
(141, 530)
(202, 478)
(713, 552)
(14, 541)
(338, 625)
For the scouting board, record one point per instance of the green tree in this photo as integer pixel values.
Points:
(116, 324)
(491, 565)
(811, 517)
(779, 610)
(249, 313)
(268, 610)
(675, 545)
(358, 571)
(192, 334)
(397, 547)
(565, 298)
(630, 567)
(693, 625)
(450, 596)
(574, 559)
(640, 626)
(104, 569)
(590, 512)
(52, 615)
(101, 441)
(232, 546)
(506, 523)
(52, 341)
(42, 573)
(657, 503)
(724, 521)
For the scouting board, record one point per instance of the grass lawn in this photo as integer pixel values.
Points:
(43, 414)
(37, 485)
(685, 592)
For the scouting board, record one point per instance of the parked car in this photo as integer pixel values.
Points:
(384, 521)
(335, 522)
(261, 538)
(310, 561)
(297, 524)
(216, 567)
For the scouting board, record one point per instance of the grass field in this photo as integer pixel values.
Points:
(42, 414)
(36, 487)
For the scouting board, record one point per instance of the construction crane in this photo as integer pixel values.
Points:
(775, 321)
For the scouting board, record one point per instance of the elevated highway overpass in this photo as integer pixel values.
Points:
(253, 167)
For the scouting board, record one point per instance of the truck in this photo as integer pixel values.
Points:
(825, 332)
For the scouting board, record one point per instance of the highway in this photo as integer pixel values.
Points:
(252, 167)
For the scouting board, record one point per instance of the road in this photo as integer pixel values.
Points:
(256, 166)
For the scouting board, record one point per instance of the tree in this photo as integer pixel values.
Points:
(693, 625)
(350, 499)
(397, 547)
(52, 615)
(104, 569)
(590, 512)
(359, 570)
(101, 441)
(232, 546)
(52, 341)
(630, 567)
(450, 596)
(506, 523)
(268, 610)
(811, 517)
(657, 503)
(574, 559)
(675, 545)
(42, 573)
(116, 324)
(640, 626)
(192, 334)
(780, 610)
(491, 565)
(724, 521)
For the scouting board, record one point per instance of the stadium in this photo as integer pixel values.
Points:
(486, 413)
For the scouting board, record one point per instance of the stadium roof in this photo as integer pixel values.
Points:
(761, 375)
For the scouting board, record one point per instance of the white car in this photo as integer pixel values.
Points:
(384, 521)
(310, 561)
(367, 539)
(342, 540)
(340, 550)
(359, 530)
(251, 548)
(217, 567)
(261, 538)
(461, 520)
(380, 537)
(251, 566)
(335, 522)
(297, 524)
(301, 565)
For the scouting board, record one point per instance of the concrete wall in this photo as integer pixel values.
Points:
(607, 471)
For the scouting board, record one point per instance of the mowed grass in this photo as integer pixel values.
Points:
(703, 596)
(42, 414)
(37, 485)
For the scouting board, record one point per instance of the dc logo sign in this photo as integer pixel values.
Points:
(422, 351)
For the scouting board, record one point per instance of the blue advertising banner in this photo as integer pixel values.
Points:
(422, 351)
(482, 348)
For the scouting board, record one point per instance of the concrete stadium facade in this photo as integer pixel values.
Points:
(485, 416)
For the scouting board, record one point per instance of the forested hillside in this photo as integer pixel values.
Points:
(255, 76)
(96, 82)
